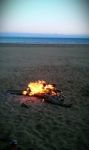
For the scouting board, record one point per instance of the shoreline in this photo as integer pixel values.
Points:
(42, 45)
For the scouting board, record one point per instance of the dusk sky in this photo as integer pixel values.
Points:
(67, 17)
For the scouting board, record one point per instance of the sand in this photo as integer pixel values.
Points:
(45, 126)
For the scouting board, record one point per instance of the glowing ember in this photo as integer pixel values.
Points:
(40, 88)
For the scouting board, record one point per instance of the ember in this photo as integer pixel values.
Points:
(40, 88)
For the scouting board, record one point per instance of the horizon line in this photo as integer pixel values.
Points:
(55, 35)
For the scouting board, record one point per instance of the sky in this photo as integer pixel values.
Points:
(62, 17)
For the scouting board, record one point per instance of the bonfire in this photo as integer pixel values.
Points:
(42, 89)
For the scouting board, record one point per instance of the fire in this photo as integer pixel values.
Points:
(40, 87)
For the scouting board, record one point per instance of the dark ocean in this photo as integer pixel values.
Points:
(43, 40)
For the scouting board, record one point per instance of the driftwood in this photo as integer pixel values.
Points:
(15, 92)
(56, 100)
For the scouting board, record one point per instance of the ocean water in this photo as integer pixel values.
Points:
(43, 40)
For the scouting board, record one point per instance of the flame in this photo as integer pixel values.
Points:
(40, 87)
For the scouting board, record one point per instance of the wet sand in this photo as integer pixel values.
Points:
(44, 126)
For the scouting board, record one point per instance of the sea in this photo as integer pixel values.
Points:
(43, 40)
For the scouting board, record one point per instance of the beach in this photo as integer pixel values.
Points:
(44, 126)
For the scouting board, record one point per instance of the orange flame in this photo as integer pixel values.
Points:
(40, 87)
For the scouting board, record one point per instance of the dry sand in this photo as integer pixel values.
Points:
(45, 126)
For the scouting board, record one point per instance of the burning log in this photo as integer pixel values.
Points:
(41, 88)
(46, 92)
